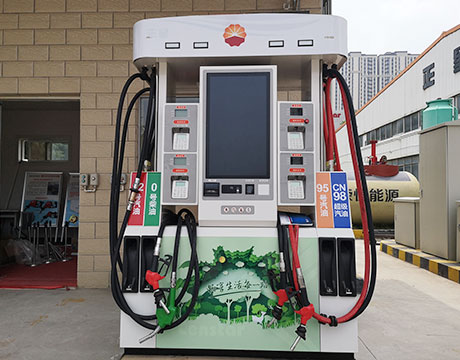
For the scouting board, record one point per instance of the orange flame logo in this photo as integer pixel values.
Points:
(234, 35)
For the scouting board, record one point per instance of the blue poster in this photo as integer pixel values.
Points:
(340, 201)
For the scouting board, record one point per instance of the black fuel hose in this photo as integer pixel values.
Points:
(336, 74)
(193, 270)
(116, 238)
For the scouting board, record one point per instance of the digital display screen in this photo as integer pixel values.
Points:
(296, 112)
(296, 160)
(238, 114)
(180, 161)
(180, 113)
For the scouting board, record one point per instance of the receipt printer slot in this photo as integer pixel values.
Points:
(181, 138)
(296, 187)
(179, 187)
(296, 135)
(211, 189)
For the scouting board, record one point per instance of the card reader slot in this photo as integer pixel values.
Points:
(347, 266)
(130, 279)
(147, 247)
(328, 267)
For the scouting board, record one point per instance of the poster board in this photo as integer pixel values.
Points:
(72, 201)
(41, 196)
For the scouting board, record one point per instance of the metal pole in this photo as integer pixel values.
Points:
(46, 243)
(34, 254)
(66, 225)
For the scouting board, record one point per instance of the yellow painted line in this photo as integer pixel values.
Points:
(389, 250)
(453, 274)
(402, 255)
(433, 266)
(416, 260)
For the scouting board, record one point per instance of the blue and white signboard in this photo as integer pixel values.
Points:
(340, 201)
(332, 203)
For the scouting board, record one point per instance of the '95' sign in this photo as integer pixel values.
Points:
(332, 205)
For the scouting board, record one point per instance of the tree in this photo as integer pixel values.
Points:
(226, 313)
(248, 298)
(271, 303)
(229, 302)
(218, 309)
(238, 309)
(258, 309)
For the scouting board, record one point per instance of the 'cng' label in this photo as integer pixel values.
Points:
(332, 204)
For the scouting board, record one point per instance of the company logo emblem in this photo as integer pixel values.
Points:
(234, 35)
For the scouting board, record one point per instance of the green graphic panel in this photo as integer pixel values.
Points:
(235, 297)
(152, 199)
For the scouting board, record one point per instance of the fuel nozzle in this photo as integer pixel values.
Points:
(277, 311)
(153, 278)
(306, 313)
(301, 332)
(150, 335)
(159, 300)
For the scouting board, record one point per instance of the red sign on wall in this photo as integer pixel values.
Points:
(137, 214)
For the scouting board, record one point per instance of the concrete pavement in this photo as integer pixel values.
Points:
(414, 315)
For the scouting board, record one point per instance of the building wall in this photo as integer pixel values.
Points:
(83, 48)
(406, 96)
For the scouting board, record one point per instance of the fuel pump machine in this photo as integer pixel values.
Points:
(237, 236)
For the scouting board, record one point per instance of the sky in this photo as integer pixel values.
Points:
(378, 26)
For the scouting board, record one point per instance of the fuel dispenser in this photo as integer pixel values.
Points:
(237, 236)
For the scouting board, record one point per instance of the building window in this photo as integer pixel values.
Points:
(408, 163)
(407, 124)
(371, 136)
(43, 150)
(457, 101)
(398, 126)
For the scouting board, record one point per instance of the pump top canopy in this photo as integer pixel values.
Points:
(237, 36)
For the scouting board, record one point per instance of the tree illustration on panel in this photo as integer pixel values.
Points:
(234, 282)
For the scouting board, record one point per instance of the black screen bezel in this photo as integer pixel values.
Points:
(267, 174)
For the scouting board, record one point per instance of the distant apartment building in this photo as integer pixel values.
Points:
(366, 75)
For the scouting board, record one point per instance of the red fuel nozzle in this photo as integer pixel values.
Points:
(153, 279)
(282, 296)
(306, 313)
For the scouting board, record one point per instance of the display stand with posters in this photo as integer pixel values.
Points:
(41, 197)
